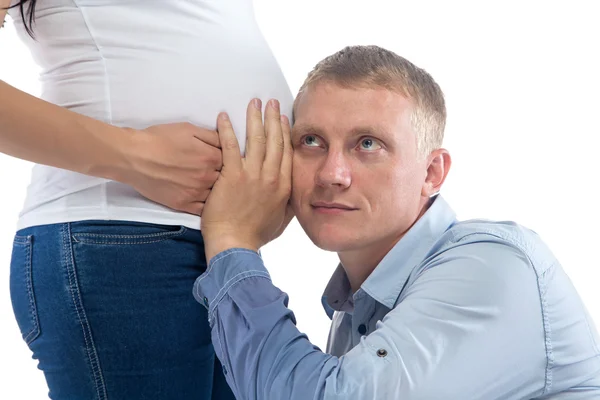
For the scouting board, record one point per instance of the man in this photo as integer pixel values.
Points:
(423, 306)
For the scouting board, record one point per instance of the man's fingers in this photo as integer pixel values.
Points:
(288, 151)
(275, 144)
(232, 158)
(255, 136)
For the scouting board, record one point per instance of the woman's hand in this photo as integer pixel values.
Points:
(248, 205)
(175, 165)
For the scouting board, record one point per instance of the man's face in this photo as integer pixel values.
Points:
(357, 179)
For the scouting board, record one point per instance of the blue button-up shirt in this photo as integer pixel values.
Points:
(456, 310)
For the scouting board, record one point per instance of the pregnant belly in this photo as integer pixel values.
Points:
(137, 93)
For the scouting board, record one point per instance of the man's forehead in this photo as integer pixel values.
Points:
(361, 106)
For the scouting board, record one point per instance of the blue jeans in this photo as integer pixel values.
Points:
(107, 309)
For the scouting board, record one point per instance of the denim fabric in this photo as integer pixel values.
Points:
(107, 309)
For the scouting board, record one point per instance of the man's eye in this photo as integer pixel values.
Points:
(310, 140)
(369, 144)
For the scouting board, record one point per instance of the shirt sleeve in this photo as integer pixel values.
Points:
(469, 326)
(254, 333)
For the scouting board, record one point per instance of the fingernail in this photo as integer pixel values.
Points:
(257, 104)
(274, 104)
(224, 117)
(284, 119)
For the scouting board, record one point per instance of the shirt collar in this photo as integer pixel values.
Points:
(389, 277)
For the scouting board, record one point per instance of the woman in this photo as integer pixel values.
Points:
(108, 243)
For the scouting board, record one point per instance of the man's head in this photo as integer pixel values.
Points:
(367, 138)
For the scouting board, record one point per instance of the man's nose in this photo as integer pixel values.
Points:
(335, 171)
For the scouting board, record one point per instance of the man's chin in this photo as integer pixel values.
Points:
(327, 236)
(330, 242)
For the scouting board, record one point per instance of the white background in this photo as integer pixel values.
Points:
(522, 85)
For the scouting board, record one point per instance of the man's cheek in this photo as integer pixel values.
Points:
(301, 181)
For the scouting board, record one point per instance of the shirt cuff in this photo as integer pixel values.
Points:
(225, 270)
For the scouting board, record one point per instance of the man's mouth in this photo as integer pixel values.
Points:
(332, 208)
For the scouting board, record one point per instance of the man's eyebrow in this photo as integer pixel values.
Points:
(300, 130)
(376, 131)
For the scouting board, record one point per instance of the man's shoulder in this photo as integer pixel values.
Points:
(503, 232)
(499, 237)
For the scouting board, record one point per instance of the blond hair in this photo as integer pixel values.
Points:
(373, 66)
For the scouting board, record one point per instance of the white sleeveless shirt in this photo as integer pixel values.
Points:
(137, 63)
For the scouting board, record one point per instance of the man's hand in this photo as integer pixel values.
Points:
(248, 205)
(175, 165)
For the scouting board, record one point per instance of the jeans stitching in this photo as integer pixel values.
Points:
(24, 242)
(119, 243)
(21, 240)
(35, 330)
(74, 287)
(133, 239)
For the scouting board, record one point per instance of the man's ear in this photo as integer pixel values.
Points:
(438, 165)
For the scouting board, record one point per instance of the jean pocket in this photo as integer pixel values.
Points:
(21, 288)
(125, 234)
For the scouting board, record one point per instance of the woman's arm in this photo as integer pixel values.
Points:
(38, 131)
(172, 164)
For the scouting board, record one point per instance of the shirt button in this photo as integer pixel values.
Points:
(205, 301)
(382, 352)
(224, 371)
(362, 329)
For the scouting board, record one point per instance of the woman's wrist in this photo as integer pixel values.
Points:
(115, 149)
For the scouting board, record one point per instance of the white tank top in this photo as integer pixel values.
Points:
(137, 63)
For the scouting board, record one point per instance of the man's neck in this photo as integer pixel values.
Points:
(360, 263)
